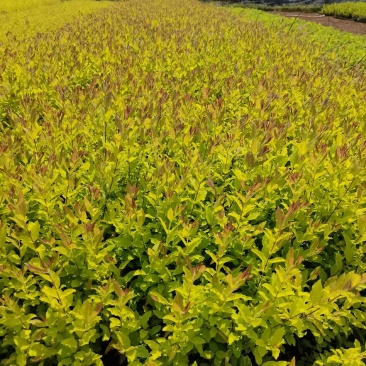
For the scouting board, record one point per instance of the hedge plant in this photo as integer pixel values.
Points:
(180, 185)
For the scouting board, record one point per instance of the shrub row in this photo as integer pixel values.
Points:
(180, 185)
(354, 10)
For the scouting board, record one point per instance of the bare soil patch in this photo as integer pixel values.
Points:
(342, 24)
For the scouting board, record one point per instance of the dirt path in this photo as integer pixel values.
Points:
(344, 25)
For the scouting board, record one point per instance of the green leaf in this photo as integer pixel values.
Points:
(170, 215)
(34, 228)
(259, 352)
(277, 337)
(158, 298)
(71, 344)
(316, 292)
(124, 340)
(197, 341)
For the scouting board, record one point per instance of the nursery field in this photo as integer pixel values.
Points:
(354, 10)
(182, 184)
(25, 18)
(342, 46)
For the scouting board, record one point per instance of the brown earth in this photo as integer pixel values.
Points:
(342, 24)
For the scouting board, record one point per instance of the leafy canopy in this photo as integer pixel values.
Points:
(181, 185)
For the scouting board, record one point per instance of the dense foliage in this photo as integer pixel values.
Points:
(181, 185)
(25, 18)
(339, 46)
(288, 7)
(355, 10)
